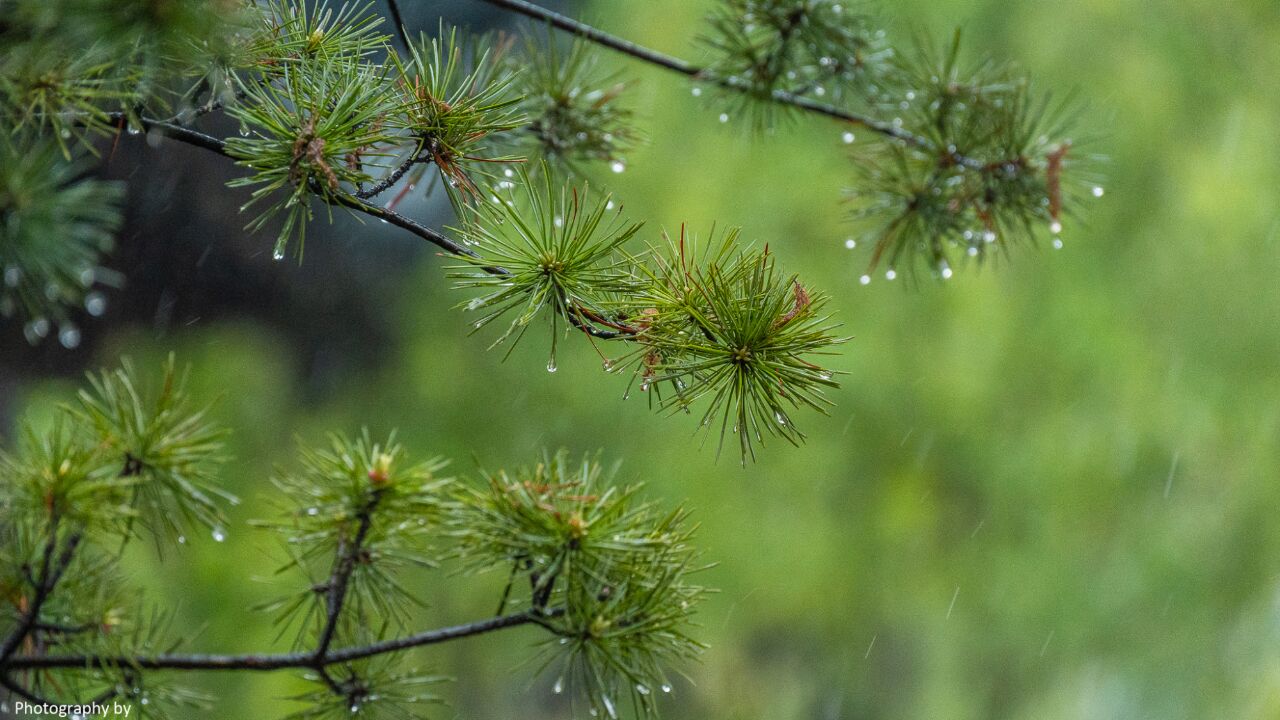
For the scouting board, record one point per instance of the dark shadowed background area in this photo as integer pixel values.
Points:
(1048, 489)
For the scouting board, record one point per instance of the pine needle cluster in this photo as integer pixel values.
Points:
(55, 228)
(962, 160)
(823, 49)
(124, 462)
(991, 164)
(615, 567)
(712, 321)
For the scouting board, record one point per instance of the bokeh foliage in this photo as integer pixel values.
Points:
(1079, 449)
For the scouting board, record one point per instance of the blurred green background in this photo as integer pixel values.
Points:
(1048, 489)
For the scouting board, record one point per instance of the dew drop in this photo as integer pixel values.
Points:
(608, 706)
(848, 138)
(780, 418)
(278, 253)
(1098, 191)
(1057, 243)
(666, 688)
(219, 535)
(313, 511)
(38, 327)
(697, 91)
(865, 279)
(851, 243)
(12, 276)
(618, 166)
(890, 274)
(945, 269)
(642, 689)
(724, 117)
(989, 237)
(182, 539)
(1055, 227)
(134, 130)
(559, 686)
(973, 251)
(509, 172)
(551, 364)
(69, 337)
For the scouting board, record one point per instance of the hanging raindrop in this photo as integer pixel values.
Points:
(69, 337)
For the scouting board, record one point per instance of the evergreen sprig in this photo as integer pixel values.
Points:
(558, 248)
(608, 573)
(55, 226)
(165, 449)
(357, 507)
(314, 132)
(76, 491)
(823, 49)
(298, 32)
(617, 565)
(576, 110)
(721, 324)
(370, 690)
(993, 166)
(456, 101)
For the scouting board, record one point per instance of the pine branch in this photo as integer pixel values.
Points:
(348, 554)
(283, 661)
(53, 565)
(354, 202)
(683, 67)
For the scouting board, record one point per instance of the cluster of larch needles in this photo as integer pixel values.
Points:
(953, 159)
